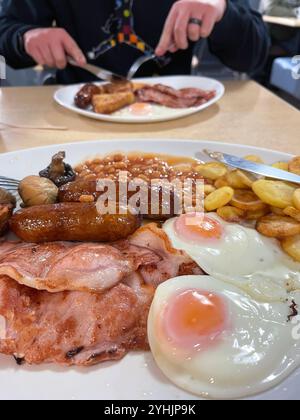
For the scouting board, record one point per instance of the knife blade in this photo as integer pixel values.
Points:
(253, 167)
(99, 72)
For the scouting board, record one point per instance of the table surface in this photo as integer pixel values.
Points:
(248, 114)
(283, 21)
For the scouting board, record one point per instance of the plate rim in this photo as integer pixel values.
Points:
(150, 140)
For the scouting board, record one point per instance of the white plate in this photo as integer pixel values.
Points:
(65, 97)
(136, 376)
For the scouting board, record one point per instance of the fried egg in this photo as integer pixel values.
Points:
(236, 254)
(213, 340)
(142, 110)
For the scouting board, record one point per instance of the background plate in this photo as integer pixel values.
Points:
(136, 376)
(65, 97)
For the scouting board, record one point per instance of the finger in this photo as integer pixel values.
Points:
(59, 56)
(180, 31)
(167, 35)
(72, 49)
(207, 27)
(173, 49)
(47, 55)
(37, 56)
(194, 32)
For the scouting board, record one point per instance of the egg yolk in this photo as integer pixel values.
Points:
(194, 319)
(140, 109)
(195, 227)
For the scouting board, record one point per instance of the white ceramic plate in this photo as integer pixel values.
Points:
(136, 376)
(65, 97)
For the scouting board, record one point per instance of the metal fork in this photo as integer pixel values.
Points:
(161, 61)
(9, 184)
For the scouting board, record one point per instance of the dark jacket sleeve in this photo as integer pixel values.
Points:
(16, 18)
(241, 40)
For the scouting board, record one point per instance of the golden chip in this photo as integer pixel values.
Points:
(278, 226)
(254, 158)
(296, 199)
(247, 200)
(292, 212)
(212, 170)
(294, 165)
(292, 247)
(275, 193)
(231, 214)
(218, 198)
(235, 180)
(284, 166)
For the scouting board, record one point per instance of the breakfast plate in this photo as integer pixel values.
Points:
(136, 376)
(65, 97)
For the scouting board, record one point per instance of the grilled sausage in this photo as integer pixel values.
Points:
(74, 191)
(84, 97)
(71, 222)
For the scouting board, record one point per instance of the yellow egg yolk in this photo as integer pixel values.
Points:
(196, 227)
(194, 319)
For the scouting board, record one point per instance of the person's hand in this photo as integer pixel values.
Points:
(178, 30)
(50, 47)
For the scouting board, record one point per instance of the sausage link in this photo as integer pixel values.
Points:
(71, 222)
(84, 97)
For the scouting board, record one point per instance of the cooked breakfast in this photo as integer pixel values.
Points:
(110, 98)
(213, 294)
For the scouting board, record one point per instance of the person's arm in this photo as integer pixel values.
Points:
(240, 40)
(27, 36)
(16, 18)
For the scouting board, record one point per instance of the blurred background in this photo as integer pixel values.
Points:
(276, 76)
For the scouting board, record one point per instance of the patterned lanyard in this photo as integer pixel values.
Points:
(120, 28)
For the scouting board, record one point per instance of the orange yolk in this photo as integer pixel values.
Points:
(140, 109)
(195, 227)
(194, 319)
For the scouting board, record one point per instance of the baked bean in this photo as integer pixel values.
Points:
(143, 167)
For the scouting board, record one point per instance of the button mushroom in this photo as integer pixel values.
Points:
(36, 191)
(58, 171)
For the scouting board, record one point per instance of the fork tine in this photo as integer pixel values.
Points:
(9, 183)
(138, 63)
(7, 186)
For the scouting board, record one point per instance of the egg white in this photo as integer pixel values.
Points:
(154, 112)
(257, 354)
(243, 257)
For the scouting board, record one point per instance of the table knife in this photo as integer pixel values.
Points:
(99, 72)
(255, 168)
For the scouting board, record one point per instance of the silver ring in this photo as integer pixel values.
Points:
(195, 21)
